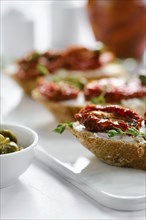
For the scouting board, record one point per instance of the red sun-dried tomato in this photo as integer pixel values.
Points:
(114, 90)
(58, 91)
(102, 118)
(73, 58)
(80, 58)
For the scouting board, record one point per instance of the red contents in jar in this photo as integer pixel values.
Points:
(100, 118)
(120, 25)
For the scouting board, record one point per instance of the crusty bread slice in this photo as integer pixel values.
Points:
(27, 85)
(62, 112)
(119, 153)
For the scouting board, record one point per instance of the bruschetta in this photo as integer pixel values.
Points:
(113, 134)
(75, 61)
(63, 100)
(56, 98)
(124, 92)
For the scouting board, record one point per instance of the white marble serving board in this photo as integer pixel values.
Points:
(117, 188)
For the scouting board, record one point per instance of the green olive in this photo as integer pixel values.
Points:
(9, 134)
(8, 142)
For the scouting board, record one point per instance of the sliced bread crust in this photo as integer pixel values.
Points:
(62, 112)
(113, 152)
(27, 85)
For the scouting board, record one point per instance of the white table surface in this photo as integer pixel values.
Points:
(42, 194)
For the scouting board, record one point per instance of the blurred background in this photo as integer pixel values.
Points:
(43, 25)
(53, 24)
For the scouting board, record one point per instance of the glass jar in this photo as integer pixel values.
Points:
(120, 25)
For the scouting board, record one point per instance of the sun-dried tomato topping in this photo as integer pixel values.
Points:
(28, 65)
(77, 58)
(114, 90)
(58, 91)
(52, 61)
(81, 59)
(102, 118)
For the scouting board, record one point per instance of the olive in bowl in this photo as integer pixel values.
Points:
(17, 149)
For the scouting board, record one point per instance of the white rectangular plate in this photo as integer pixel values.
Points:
(117, 188)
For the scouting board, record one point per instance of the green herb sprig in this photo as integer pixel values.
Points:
(34, 56)
(101, 98)
(130, 131)
(74, 81)
(42, 69)
(62, 126)
(98, 100)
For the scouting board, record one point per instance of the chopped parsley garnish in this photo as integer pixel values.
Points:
(98, 100)
(74, 81)
(62, 126)
(130, 131)
(33, 57)
(101, 98)
(42, 69)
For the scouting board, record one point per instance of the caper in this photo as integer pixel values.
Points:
(8, 142)
(4, 140)
(9, 134)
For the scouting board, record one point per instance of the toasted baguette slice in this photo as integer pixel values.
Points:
(61, 111)
(27, 85)
(118, 151)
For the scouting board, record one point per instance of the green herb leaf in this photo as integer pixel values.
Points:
(62, 126)
(98, 100)
(101, 98)
(42, 69)
(77, 82)
(133, 131)
(112, 133)
(129, 131)
(119, 131)
(34, 56)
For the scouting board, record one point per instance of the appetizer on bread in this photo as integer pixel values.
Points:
(30, 68)
(112, 133)
(128, 93)
(67, 97)
(60, 98)
(76, 61)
